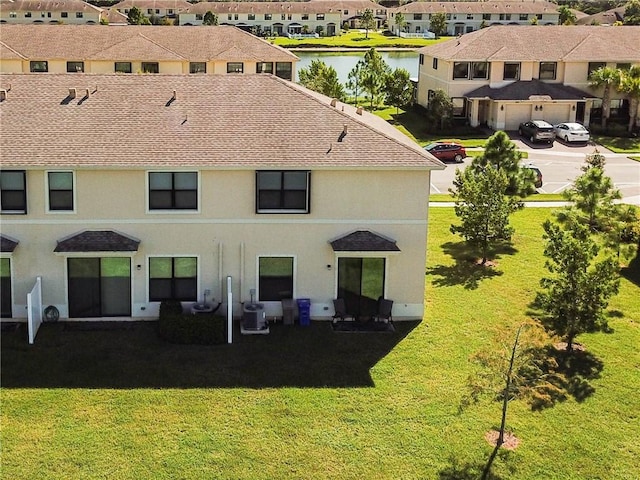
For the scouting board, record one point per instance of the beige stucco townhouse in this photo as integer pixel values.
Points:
(119, 191)
(153, 8)
(140, 49)
(501, 76)
(465, 17)
(72, 12)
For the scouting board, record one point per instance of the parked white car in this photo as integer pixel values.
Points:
(572, 132)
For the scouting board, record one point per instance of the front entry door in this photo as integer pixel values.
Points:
(360, 284)
(99, 287)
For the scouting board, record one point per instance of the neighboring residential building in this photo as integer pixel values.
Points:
(465, 17)
(111, 16)
(268, 18)
(123, 190)
(608, 17)
(282, 18)
(502, 76)
(49, 11)
(140, 49)
(153, 8)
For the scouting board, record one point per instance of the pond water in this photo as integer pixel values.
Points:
(344, 62)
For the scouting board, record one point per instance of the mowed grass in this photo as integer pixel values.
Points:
(309, 403)
(356, 39)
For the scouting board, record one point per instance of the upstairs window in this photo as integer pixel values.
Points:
(593, 66)
(13, 191)
(235, 67)
(460, 70)
(524, 17)
(198, 67)
(284, 70)
(252, 16)
(75, 67)
(173, 191)
(486, 16)
(305, 16)
(623, 66)
(60, 189)
(547, 71)
(64, 14)
(150, 67)
(27, 15)
(511, 71)
(320, 16)
(417, 16)
(39, 66)
(479, 70)
(79, 14)
(264, 67)
(122, 67)
(282, 191)
(173, 278)
(267, 16)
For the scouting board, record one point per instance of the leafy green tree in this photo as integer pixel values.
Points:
(567, 17)
(373, 74)
(136, 17)
(482, 207)
(592, 197)
(319, 30)
(576, 297)
(322, 78)
(439, 110)
(210, 18)
(400, 22)
(608, 78)
(438, 24)
(354, 79)
(367, 21)
(630, 85)
(504, 155)
(534, 20)
(399, 89)
(632, 12)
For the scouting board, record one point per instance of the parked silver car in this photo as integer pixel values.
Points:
(537, 131)
(572, 132)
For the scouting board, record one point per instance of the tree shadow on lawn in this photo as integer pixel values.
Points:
(632, 272)
(466, 271)
(132, 355)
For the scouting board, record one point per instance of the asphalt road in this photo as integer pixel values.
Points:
(560, 165)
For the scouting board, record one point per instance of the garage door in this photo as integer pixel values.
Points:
(516, 114)
(556, 112)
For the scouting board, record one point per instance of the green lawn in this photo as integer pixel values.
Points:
(355, 39)
(308, 403)
(536, 197)
(618, 144)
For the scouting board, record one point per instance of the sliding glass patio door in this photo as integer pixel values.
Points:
(361, 283)
(99, 287)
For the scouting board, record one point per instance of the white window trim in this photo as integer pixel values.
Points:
(387, 260)
(46, 193)
(306, 210)
(172, 211)
(171, 255)
(295, 276)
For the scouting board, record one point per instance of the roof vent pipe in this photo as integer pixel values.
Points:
(174, 95)
(344, 130)
(87, 93)
(72, 93)
(334, 102)
(359, 110)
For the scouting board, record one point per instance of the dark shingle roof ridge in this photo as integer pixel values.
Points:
(409, 144)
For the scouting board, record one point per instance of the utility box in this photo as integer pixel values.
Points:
(304, 311)
(288, 311)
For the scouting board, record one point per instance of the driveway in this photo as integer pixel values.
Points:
(560, 165)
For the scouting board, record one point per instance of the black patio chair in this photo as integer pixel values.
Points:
(341, 311)
(384, 311)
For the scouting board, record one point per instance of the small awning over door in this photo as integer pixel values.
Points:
(364, 241)
(7, 244)
(98, 241)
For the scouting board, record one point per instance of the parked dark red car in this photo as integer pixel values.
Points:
(447, 151)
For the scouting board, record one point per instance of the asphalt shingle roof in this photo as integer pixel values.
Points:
(98, 241)
(136, 42)
(522, 90)
(494, 7)
(364, 241)
(542, 43)
(7, 245)
(216, 121)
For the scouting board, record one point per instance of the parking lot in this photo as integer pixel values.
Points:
(560, 165)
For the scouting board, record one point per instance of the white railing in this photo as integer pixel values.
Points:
(34, 309)
(417, 35)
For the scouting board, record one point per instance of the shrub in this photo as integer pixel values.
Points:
(175, 326)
